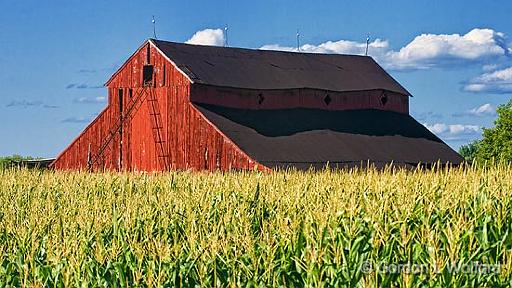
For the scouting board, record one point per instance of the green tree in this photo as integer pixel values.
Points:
(496, 144)
(469, 151)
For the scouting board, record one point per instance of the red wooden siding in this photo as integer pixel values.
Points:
(191, 141)
(299, 98)
(76, 155)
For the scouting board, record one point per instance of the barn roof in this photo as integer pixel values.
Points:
(265, 69)
(309, 137)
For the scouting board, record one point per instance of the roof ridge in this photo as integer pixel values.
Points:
(258, 49)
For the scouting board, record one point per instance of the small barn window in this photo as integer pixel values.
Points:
(147, 75)
(327, 99)
(130, 93)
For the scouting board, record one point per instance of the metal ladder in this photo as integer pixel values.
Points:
(134, 105)
(157, 126)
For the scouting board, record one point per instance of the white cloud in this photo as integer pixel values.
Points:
(28, 103)
(211, 37)
(489, 67)
(77, 120)
(437, 128)
(428, 50)
(484, 110)
(377, 47)
(424, 51)
(91, 100)
(498, 81)
(453, 131)
(24, 103)
(457, 129)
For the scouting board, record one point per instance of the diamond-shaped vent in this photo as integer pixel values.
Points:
(260, 98)
(327, 99)
(384, 100)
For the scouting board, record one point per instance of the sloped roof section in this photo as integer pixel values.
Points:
(304, 138)
(264, 69)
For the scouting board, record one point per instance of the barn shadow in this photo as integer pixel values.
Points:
(286, 122)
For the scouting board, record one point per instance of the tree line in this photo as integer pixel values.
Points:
(496, 142)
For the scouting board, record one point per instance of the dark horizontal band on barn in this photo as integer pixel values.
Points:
(180, 106)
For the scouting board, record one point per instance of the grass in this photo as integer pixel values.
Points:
(294, 229)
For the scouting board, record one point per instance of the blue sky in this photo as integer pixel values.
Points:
(453, 56)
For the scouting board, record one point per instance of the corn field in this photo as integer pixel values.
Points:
(351, 228)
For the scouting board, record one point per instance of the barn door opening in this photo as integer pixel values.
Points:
(147, 75)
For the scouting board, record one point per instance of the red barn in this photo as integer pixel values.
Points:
(179, 106)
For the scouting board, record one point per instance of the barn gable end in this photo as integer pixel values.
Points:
(194, 144)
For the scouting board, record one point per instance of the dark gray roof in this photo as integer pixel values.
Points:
(264, 69)
(303, 138)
